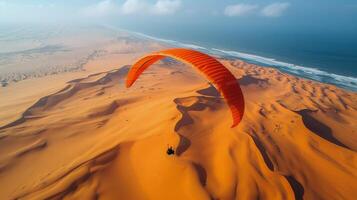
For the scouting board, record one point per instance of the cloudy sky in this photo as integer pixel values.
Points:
(342, 13)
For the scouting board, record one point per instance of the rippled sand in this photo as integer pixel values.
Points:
(95, 139)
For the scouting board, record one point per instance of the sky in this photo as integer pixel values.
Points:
(329, 15)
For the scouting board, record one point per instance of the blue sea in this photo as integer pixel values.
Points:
(331, 59)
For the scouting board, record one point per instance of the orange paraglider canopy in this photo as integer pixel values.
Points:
(214, 71)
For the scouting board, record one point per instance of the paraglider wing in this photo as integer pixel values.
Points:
(214, 71)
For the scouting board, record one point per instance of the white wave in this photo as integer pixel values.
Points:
(306, 72)
(269, 61)
(309, 72)
(172, 42)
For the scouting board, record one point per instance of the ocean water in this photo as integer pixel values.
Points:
(322, 59)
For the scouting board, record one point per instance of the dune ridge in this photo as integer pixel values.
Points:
(297, 139)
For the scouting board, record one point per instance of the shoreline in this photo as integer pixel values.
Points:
(342, 81)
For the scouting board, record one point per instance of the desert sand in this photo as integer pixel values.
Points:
(35, 62)
(95, 139)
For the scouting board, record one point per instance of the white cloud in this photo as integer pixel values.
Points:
(160, 7)
(275, 9)
(133, 6)
(101, 9)
(129, 7)
(166, 7)
(240, 9)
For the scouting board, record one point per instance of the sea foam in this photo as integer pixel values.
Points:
(342, 81)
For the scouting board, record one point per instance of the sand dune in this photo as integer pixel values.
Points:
(95, 139)
(31, 70)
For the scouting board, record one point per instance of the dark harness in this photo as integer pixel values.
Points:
(170, 151)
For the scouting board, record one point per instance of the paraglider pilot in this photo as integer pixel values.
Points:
(170, 151)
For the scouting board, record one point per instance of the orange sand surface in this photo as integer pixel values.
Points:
(95, 139)
(120, 51)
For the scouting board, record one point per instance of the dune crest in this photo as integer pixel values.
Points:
(95, 139)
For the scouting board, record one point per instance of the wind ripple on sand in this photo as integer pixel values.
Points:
(297, 139)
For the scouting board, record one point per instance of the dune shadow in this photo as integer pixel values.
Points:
(247, 80)
(210, 91)
(297, 187)
(68, 91)
(106, 110)
(186, 119)
(202, 174)
(319, 128)
(263, 152)
(183, 145)
(14, 123)
(200, 103)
